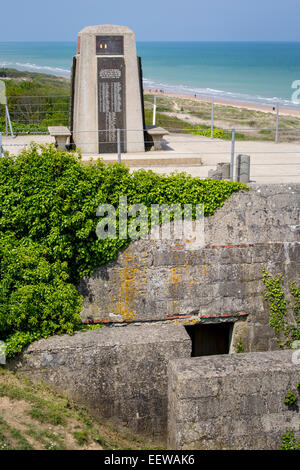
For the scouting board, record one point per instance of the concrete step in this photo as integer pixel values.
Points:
(157, 161)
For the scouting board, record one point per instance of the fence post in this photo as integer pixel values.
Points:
(119, 145)
(243, 168)
(1, 150)
(232, 155)
(8, 118)
(154, 112)
(277, 124)
(6, 126)
(212, 117)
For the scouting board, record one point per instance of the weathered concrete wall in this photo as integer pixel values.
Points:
(231, 402)
(160, 280)
(119, 373)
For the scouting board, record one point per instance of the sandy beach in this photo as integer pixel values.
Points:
(253, 107)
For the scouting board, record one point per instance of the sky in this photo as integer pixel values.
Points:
(154, 20)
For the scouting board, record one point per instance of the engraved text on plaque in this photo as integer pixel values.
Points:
(111, 103)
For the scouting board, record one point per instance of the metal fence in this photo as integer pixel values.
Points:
(205, 131)
(28, 113)
(36, 113)
(261, 122)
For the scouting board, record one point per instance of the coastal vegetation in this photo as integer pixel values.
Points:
(37, 101)
(177, 113)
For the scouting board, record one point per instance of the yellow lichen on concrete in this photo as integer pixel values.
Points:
(127, 289)
(175, 278)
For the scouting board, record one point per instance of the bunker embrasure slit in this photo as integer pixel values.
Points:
(210, 339)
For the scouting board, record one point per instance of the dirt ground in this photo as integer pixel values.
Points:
(34, 416)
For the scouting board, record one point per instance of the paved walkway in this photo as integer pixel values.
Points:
(270, 162)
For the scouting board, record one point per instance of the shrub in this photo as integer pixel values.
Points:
(217, 133)
(36, 299)
(48, 203)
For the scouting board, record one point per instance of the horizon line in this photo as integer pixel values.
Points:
(169, 40)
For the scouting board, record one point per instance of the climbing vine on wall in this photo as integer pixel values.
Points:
(48, 241)
(284, 315)
(289, 440)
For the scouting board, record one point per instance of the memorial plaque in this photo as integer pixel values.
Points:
(109, 45)
(111, 103)
(103, 101)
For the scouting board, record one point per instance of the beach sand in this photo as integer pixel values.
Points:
(253, 107)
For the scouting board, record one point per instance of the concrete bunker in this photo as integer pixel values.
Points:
(150, 292)
(165, 281)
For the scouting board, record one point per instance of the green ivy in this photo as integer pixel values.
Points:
(290, 398)
(278, 303)
(48, 203)
(240, 347)
(289, 441)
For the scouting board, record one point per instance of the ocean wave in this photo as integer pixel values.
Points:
(211, 93)
(37, 68)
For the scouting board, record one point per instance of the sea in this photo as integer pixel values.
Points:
(264, 73)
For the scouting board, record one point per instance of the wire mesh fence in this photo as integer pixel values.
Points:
(267, 123)
(35, 113)
(208, 118)
(201, 134)
(197, 155)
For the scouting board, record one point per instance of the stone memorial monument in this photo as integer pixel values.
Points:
(107, 91)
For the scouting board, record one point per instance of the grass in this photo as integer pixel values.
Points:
(35, 101)
(11, 438)
(250, 124)
(33, 109)
(34, 416)
(176, 125)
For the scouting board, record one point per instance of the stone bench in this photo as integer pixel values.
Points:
(156, 133)
(61, 135)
